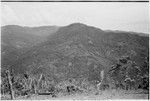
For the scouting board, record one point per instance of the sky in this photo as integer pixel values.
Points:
(107, 16)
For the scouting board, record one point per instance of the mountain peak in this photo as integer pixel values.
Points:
(77, 25)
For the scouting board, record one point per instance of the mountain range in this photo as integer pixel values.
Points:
(73, 51)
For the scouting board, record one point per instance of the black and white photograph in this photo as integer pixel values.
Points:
(74, 50)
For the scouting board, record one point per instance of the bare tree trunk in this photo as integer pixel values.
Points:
(2, 89)
(30, 83)
(102, 78)
(39, 80)
(36, 87)
(10, 85)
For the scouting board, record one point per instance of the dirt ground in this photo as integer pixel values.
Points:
(103, 95)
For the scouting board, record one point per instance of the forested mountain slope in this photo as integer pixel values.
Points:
(81, 51)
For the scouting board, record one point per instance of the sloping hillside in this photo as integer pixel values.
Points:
(16, 40)
(81, 51)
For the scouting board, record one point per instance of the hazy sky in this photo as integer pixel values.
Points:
(113, 16)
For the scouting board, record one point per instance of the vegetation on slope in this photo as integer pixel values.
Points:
(81, 52)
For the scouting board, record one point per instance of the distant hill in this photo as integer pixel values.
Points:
(20, 37)
(78, 50)
(17, 39)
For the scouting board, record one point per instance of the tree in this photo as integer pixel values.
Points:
(125, 68)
